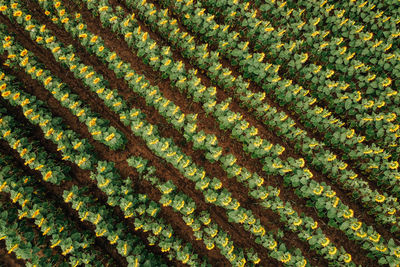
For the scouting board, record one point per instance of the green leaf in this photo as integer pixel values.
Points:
(331, 213)
(344, 225)
(347, 104)
(382, 261)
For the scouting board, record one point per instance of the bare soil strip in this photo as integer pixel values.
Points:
(138, 147)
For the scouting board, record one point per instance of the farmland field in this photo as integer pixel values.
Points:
(199, 132)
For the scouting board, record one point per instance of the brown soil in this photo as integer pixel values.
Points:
(54, 193)
(112, 82)
(117, 157)
(135, 146)
(9, 260)
(256, 166)
(80, 177)
(5, 197)
(312, 132)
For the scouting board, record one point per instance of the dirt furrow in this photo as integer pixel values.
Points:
(104, 153)
(345, 195)
(108, 36)
(9, 259)
(191, 152)
(360, 211)
(120, 159)
(135, 148)
(237, 150)
(6, 198)
(228, 145)
(311, 131)
(54, 194)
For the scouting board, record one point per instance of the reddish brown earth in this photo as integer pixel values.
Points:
(8, 260)
(165, 171)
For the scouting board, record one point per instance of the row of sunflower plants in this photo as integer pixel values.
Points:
(103, 8)
(34, 204)
(204, 228)
(136, 124)
(74, 149)
(99, 128)
(19, 236)
(385, 171)
(182, 83)
(318, 77)
(342, 96)
(138, 83)
(380, 197)
(199, 137)
(80, 153)
(132, 194)
(375, 18)
(33, 155)
(348, 212)
(106, 225)
(22, 240)
(370, 50)
(144, 213)
(383, 205)
(350, 103)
